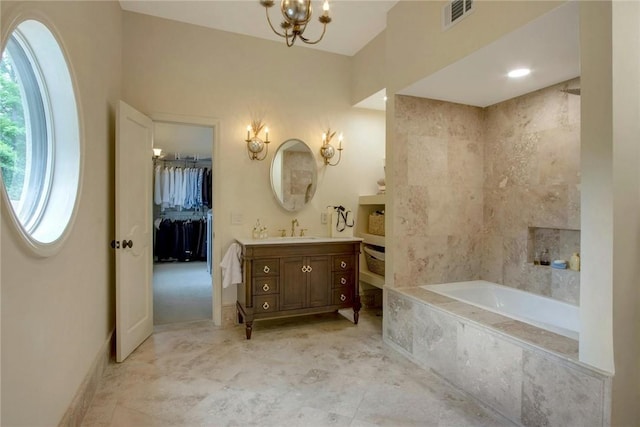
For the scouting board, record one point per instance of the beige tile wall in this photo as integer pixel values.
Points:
(469, 182)
(438, 191)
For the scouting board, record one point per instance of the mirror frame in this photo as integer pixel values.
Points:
(276, 157)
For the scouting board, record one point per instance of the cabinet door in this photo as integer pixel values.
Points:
(293, 283)
(319, 281)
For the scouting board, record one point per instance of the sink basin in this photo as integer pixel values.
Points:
(291, 239)
(296, 238)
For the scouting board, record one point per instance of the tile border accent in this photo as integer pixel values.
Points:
(82, 400)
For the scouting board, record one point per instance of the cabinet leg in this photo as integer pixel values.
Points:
(240, 318)
(248, 329)
(356, 309)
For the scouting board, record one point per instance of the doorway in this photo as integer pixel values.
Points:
(183, 222)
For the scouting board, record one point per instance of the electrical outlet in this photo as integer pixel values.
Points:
(237, 218)
(323, 218)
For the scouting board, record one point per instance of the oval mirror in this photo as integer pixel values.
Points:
(293, 175)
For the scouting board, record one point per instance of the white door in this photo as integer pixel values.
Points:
(134, 263)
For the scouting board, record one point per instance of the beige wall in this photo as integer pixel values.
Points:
(610, 299)
(368, 68)
(57, 311)
(175, 68)
(626, 182)
(437, 169)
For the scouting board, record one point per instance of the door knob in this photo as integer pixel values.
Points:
(115, 244)
(127, 244)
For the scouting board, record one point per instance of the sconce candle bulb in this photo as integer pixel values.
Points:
(327, 151)
(255, 145)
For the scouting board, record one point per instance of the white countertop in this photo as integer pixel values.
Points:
(295, 240)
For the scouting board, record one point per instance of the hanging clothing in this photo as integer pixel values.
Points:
(181, 240)
(165, 188)
(182, 188)
(157, 188)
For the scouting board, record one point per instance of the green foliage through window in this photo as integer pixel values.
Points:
(12, 129)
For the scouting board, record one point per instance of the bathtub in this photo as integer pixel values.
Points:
(546, 313)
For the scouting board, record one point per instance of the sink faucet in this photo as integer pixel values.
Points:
(294, 222)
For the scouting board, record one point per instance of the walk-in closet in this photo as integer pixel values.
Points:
(182, 222)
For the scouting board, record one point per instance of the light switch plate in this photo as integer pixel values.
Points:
(237, 218)
(323, 218)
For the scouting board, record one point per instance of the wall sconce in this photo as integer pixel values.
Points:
(327, 150)
(157, 153)
(255, 145)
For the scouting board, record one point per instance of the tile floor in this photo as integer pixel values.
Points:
(307, 371)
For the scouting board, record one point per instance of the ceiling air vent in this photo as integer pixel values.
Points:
(455, 11)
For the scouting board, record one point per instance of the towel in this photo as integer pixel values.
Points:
(231, 266)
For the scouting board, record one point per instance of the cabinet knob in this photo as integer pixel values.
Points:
(266, 269)
(343, 297)
(266, 287)
(307, 269)
(343, 281)
(343, 264)
(266, 306)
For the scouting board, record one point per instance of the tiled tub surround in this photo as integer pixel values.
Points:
(470, 181)
(530, 375)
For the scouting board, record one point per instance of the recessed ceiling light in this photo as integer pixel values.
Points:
(519, 72)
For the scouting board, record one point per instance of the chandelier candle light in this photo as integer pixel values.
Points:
(255, 145)
(327, 151)
(297, 14)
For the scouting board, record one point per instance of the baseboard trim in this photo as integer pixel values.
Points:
(229, 316)
(82, 400)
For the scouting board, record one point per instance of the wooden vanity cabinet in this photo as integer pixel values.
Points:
(282, 280)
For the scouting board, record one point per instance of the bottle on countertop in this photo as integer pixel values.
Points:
(574, 262)
(544, 257)
(257, 230)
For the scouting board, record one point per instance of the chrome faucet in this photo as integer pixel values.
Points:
(294, 222)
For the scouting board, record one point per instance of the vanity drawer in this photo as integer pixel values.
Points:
(265, 285)
(266, 267)
(343, 262)
(265, 304)
(343, 296)
(342, 278)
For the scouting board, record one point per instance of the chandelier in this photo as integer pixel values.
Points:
(297, 14)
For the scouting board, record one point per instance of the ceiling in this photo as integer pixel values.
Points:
(549, 45)
(355, 22)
